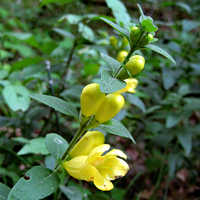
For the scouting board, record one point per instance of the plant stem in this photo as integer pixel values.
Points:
(160, 176)
(80, 131)
(48, 67)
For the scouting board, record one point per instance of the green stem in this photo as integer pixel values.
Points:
(73, 141)
(160, 176)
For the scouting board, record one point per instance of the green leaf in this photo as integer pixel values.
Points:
(112, 63)
(124, 32)
(86, 31)
(189, 25)
(49, 47)
(56, 103)
(56, 145)
(119, 12)
(148, 25)
(26, 62)
(135, 100)
(35, 146)
(110, 84)
(16, 96)
(38, 183)
(143, 17)
(44, 2)
(160, 51)
(117, 128)
(185, 140)
(173, 119)
(4, 191)
(168, 78)
(72, 19)
(64, 33)
(174, 160)
(72, 192)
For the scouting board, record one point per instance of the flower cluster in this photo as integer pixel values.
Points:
(87, 162)
(103, 107)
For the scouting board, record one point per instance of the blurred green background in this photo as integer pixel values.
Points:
(163, 115)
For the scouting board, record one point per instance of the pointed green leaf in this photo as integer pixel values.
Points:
(16, 96)
(160, 51)
(38, 183)
(56, 103)
(112, 63)
(185, 140)
(121, 15)
(110, 84)
(141, 12)
(124, 32)
(26, 62)
(4, 191)
(72, 192)
(56, 145)
(117, 128)
(35, 146)
(133, 99)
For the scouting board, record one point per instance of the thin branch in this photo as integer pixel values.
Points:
(48, 67)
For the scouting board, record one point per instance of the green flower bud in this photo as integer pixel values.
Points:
(110, 107)
(134, 34)
(91, 99)
(133, 66)
(146, 39)
(113, 40)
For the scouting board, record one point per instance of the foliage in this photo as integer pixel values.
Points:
(52, 48)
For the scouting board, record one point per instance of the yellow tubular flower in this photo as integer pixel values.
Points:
(110, 107)
(97, 168)
(135, 64)
(88, 142)
(131, 84)
(91, 99)
(121, 56)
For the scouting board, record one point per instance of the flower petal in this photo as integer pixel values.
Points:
(79, 169)
(87, 143)
(117, 152)
(101, 183)
(96, 153)
(112, 167)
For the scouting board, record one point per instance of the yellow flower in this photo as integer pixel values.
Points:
(109, 107)
(88, 142)
(97, 168)
(131, 84)
(91, 99)
(121, 56)
(133, 66)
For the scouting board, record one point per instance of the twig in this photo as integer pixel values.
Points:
(48, 67)
(70, 58)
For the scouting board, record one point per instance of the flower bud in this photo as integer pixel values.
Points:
(113, 40)
(110, 107)
(146, 39)
(131, 84)
(134, 34)
(121, 56)
(91, 99)
(133, 66)
(125, 42)
(88, 142)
